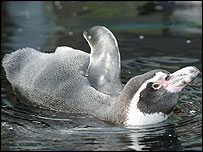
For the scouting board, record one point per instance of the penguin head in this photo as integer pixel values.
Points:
(156, 94)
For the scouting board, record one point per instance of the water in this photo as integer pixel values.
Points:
(151, 35)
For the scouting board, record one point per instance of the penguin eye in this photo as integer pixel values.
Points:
(156, 86)
(167, 77)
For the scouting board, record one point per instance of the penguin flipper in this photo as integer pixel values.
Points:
(104, 66)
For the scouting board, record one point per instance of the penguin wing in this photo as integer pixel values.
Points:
(104, 67)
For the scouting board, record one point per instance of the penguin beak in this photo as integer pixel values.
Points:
(179, 79)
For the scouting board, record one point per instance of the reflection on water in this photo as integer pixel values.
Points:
(151, 35)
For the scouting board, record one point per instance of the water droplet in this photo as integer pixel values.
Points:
(188, 41)
(89, 37)
(11, 128)
(70, 33)
(192, 111)
(141, 37)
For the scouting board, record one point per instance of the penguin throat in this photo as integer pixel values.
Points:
(136, 117)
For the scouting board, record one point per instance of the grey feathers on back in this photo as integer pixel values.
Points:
(55, 80)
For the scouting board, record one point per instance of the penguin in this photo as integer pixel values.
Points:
(73, 81)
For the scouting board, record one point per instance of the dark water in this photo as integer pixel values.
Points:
(151, 35)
